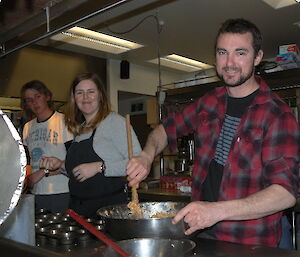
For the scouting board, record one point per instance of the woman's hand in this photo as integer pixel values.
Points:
(53, 164)
(86, 170)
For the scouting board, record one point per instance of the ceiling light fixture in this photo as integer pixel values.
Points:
(297, 23)
(181, 63)
(95, 40)
(276, 4)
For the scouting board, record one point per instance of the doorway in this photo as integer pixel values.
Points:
(135, 105)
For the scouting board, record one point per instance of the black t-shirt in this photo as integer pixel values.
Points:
(235, 109)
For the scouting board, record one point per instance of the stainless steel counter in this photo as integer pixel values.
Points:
(94, 247)
(204, 248)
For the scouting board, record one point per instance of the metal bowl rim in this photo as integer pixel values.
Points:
(132, 219)
(191, 243)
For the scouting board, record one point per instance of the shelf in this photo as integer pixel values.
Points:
(279, 81)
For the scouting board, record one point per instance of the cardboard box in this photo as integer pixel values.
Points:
(292, 48)
(173, 183)
(288, 60)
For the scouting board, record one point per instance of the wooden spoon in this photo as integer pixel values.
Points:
(133, 205)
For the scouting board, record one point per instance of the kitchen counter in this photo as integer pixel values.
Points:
(204, 248)
(94, 247)
(213, 248)
(162, 195)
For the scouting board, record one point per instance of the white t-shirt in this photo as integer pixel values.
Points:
(47, 139)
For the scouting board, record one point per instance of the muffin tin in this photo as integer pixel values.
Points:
(60, 229)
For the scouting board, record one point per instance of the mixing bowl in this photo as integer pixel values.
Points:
(151, 247)
(120, 224)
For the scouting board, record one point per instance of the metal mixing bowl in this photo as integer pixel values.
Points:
(121, 225)
(150, 247)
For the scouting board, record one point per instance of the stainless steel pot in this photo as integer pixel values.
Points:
(150, 247)
(13, 164)
(121, 225)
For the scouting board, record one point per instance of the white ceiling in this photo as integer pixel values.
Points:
(189, 27)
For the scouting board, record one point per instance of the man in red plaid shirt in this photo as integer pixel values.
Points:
(247, 148)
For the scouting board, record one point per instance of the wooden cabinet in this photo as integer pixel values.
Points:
(152, 111)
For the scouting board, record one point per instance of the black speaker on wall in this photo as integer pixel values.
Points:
(124, 69)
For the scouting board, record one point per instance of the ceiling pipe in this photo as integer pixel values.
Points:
(65, 27)
(38, 19)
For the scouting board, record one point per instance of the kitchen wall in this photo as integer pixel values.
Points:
(55, 68)
(142, 80)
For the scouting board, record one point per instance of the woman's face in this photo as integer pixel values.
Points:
(36, 101)
(87, 98)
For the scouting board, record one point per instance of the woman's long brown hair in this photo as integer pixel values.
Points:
(73, 116)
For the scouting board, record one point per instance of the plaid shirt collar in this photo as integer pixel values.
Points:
(262, 97)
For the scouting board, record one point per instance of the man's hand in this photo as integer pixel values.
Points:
(138, 169)
(35, 177)
(198, 215)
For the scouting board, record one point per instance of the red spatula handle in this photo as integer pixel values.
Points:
(97, 233)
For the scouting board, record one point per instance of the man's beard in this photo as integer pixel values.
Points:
(240, 81)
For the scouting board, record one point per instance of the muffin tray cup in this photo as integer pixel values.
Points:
(60, 229)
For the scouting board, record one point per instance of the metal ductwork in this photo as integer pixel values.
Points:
(56, 16)
(45, 18)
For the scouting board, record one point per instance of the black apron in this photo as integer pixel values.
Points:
(96, 192)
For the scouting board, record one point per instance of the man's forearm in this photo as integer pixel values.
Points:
(156, 142)
(138, 167)
(273, 199)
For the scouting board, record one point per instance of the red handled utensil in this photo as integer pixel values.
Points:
(97, 233)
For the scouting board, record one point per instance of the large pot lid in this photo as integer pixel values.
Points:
(12, 167)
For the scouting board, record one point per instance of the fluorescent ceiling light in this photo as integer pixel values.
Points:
(181, 63)
(95, 40)
(276, 4)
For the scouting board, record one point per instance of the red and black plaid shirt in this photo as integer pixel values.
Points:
(264, 151)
